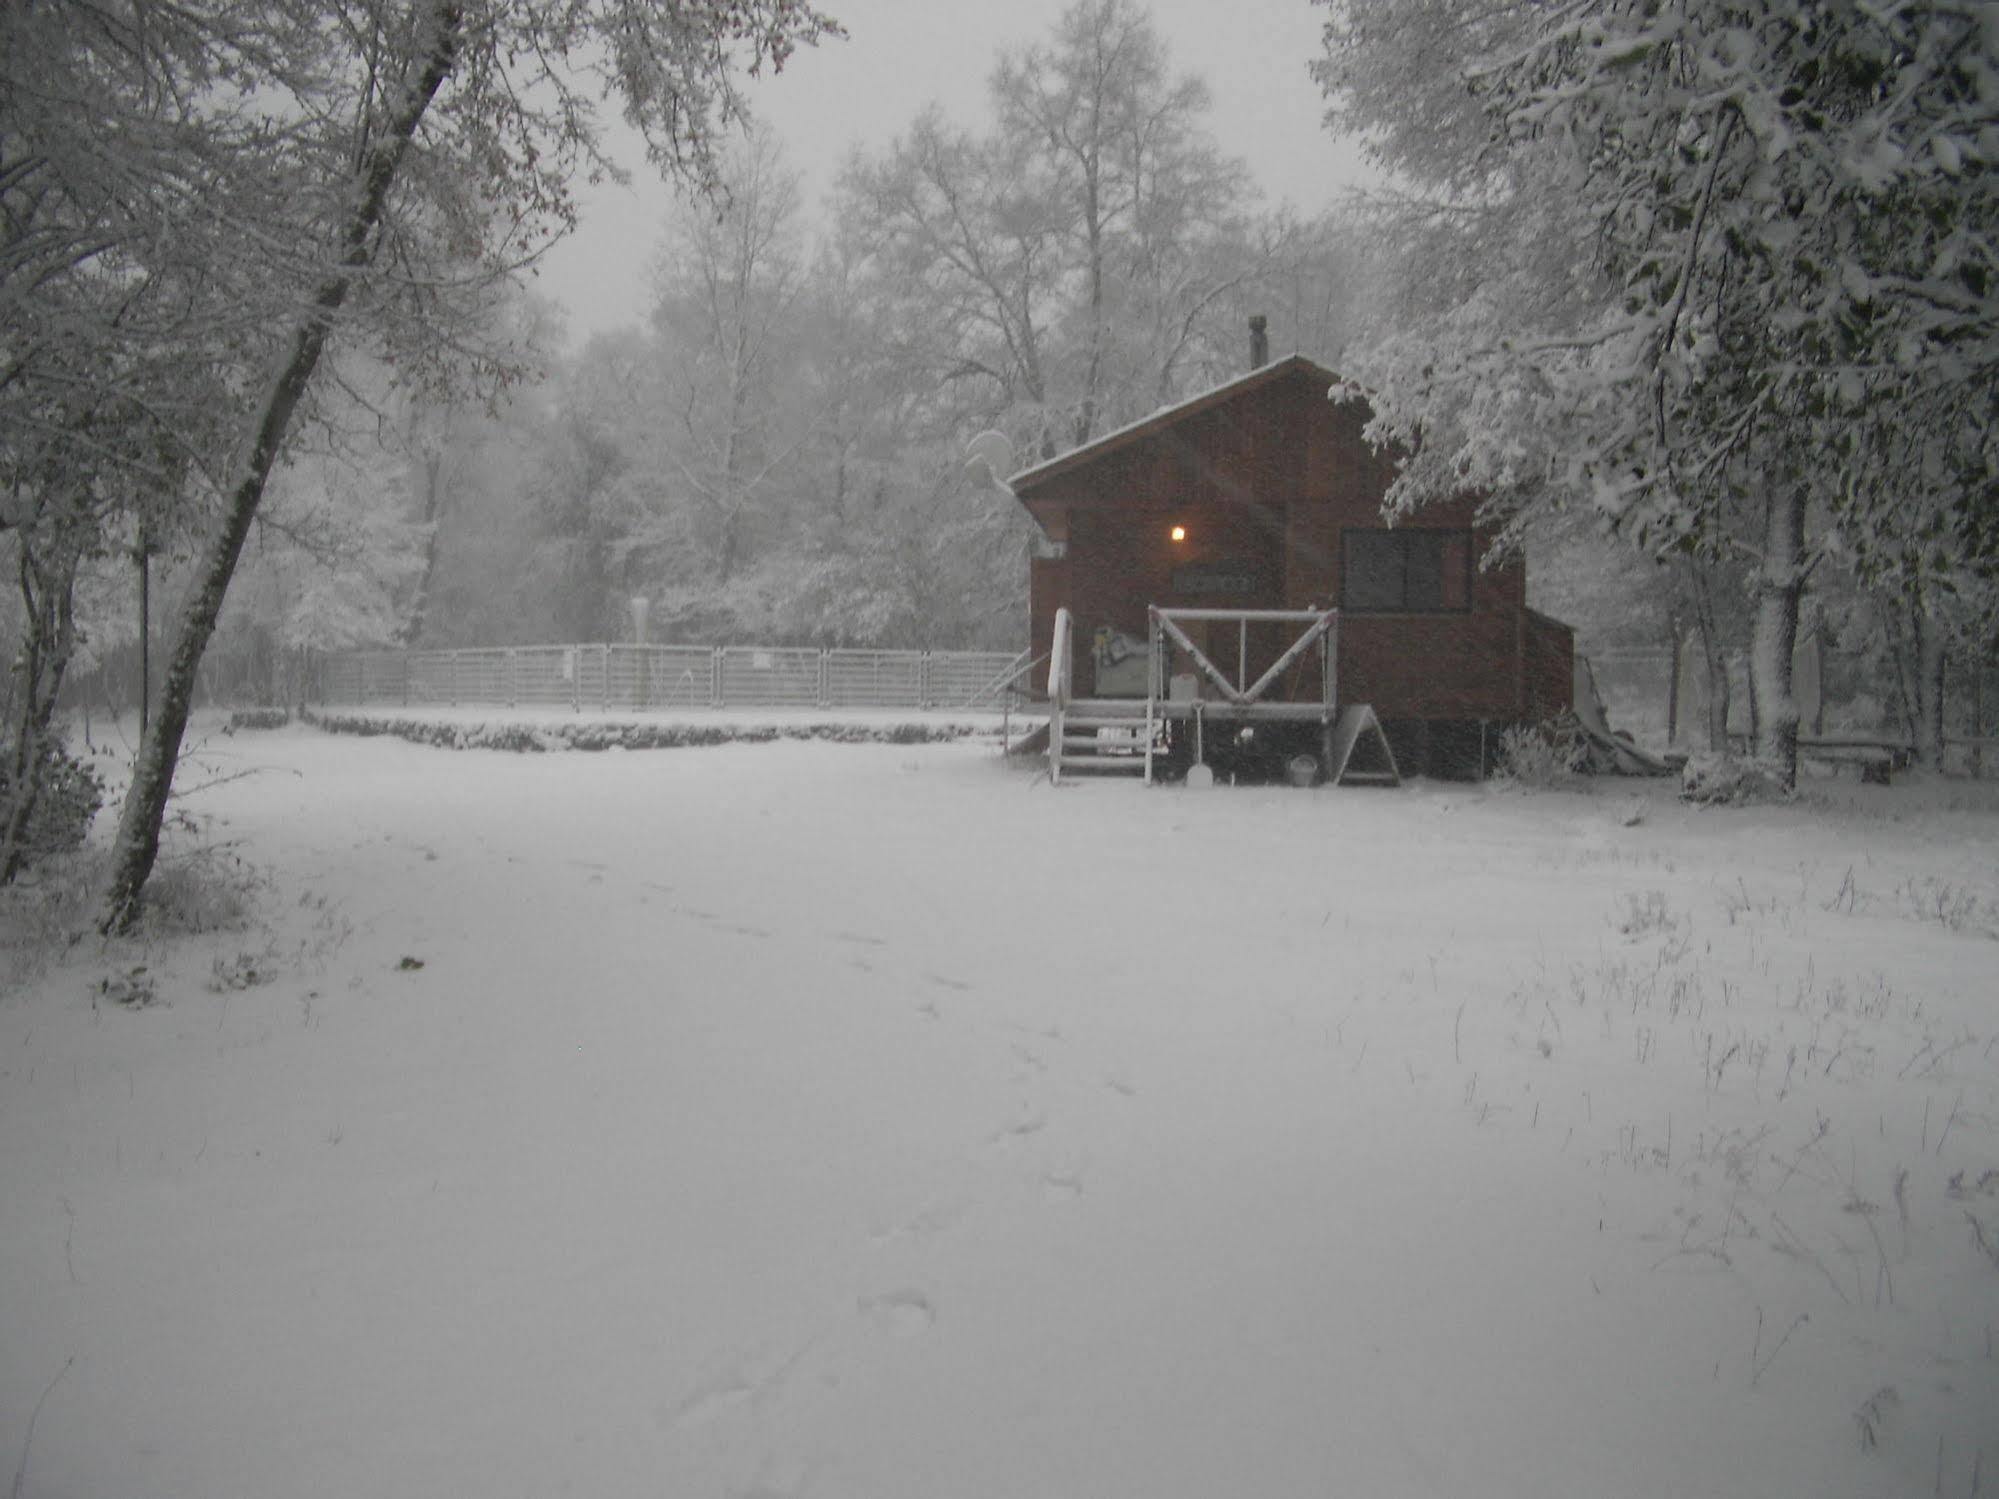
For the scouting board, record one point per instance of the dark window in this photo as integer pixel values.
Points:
(1408, 571)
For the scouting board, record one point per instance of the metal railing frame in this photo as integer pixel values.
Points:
(607, 677)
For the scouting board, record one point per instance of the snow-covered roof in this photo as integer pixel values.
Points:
(1166, 415)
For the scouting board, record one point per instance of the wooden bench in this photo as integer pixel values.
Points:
(1878, 759)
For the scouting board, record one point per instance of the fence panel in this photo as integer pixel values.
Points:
(770, 677)
(874, 679)
(384, 677)
(430, 678)
(593, 676)
(661, 676)
(340, 680)
(478, 678)
(634, 677)
(544, 676)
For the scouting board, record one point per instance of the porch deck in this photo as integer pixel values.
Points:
(1130, 734)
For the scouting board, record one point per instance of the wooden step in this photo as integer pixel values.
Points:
(1090, 742)
(1118, 765)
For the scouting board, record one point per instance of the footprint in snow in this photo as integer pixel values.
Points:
(928, 1221)
(1062, 1186)
(731, 1386)
(1020, 1129)
(902, 1314)
(707, 1402)
(861, 937)
(949, 983)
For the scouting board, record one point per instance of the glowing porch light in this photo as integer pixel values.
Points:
(1178, 533)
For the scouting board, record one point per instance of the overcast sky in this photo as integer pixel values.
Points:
(903, 54)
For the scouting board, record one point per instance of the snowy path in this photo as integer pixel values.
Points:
(803, 1120)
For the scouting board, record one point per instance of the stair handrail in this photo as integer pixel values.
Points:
(1058, 691)
(1017, 668)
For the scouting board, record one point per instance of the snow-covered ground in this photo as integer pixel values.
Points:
(869, 1121)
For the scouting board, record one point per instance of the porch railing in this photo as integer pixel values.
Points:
(1059, 669)
(1321, 629)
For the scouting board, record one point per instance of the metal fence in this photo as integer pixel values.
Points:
(640, 677)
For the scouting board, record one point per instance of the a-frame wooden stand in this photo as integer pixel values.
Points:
(1357, 751)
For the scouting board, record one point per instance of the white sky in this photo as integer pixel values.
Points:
(903, 54)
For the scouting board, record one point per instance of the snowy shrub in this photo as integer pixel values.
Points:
(69, 795)
(257, 718)
(1724, 781)
(1541, 755)
(1645, 913)
(42, 919)
(585, 734)
(208, 890)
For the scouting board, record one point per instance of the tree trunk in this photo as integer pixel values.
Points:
(1930, 695)
(1712, 658)
(1780, 584)
(138, 841)
(433, 508)
(1917, 648)
(48, 641)
(1676, 644)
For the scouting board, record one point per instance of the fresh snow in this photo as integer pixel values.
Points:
(815, 1121)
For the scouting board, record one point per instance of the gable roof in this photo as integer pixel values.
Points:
(1165, 416)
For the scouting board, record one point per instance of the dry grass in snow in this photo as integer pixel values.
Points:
(859, 1120)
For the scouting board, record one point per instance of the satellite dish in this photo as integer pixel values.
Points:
(991, 451)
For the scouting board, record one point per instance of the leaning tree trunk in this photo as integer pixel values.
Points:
(1780, 584)
(138, 841)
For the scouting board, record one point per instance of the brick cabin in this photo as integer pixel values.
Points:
(1260, 494)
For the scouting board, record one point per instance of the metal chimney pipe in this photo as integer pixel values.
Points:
(1259, 341)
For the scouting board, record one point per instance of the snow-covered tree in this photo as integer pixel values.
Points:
(1721, 268)
(1073, 266)
(308, 172)
(729, 283)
